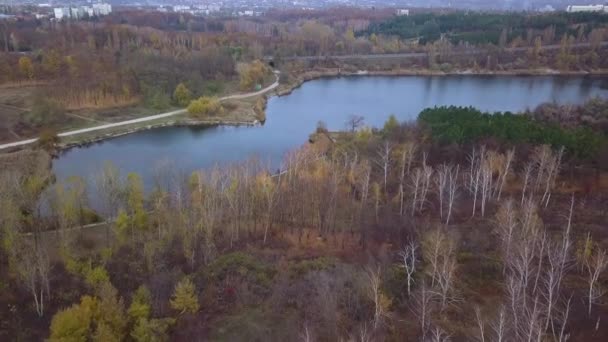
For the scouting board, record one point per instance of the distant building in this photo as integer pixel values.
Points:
(79, 12)
(586, 8)
(546, 9)
(88, 10)
(102, 9)
(403, 12)
(61, 13)
(181, 8)
(76, 13)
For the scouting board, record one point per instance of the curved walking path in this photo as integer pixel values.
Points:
(144, 119)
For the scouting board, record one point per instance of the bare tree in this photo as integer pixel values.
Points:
(268, 191)
(407, 153)
(384, 160)
(550, 281)
(445, 275)
(507, 224)
(109, 190)
(563, 319)
(515, 293)
(364, 335)
(427, 173)
(532, 327)
(374, 291)
(480, 324)
(306, 334)
(416, 179)
(540, 159)
(34, 268)
(452, 188)
(439, 253)
(500, 326)
(504, 172)
(475, 174)
(441, 182)
(423, 308)
(364, 176)
(545, 164)
(552, 172)
(354, 122)
(486, 184)
(409, 259)
(526, 182)
(438, 335)
(541, 246)
(595, 266)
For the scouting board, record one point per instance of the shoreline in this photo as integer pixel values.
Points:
(312, 75)
(64, 147)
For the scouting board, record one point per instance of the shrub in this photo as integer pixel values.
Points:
(242, 265)
(44, 112)
(48, 139)
(205, 106)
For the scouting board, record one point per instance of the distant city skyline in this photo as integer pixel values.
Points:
(460, 4)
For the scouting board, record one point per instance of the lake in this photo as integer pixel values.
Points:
(291, 118)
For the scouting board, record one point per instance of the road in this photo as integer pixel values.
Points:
(143, 119)
(420, 54)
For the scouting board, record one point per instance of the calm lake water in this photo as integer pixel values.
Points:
(290, 119)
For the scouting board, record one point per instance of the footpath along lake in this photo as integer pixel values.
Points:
(291, 118)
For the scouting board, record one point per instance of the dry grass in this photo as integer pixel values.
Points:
(27, 163)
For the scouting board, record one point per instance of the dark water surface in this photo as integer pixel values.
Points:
(290, 119)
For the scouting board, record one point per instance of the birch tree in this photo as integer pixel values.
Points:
(452, 189)
(595, 266)
(375, 293)
(405, 156)
(504, 172)
(268, 191)
(499, 326)
(423, 308)
(383, 160)
(34, 268)
(409, 259)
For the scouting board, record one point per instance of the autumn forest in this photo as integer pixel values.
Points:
(461, 225)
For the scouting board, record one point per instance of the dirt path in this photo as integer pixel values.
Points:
(406, 55)
(144, 119)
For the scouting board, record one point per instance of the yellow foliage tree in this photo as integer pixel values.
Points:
(182, 95)
(93, 319)
(74, 323)
(253, 74)
(184, 297)
(26, 67)
(140, 306)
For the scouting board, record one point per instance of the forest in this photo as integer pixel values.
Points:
(479, 28)
(404, 232)
(467, 125)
